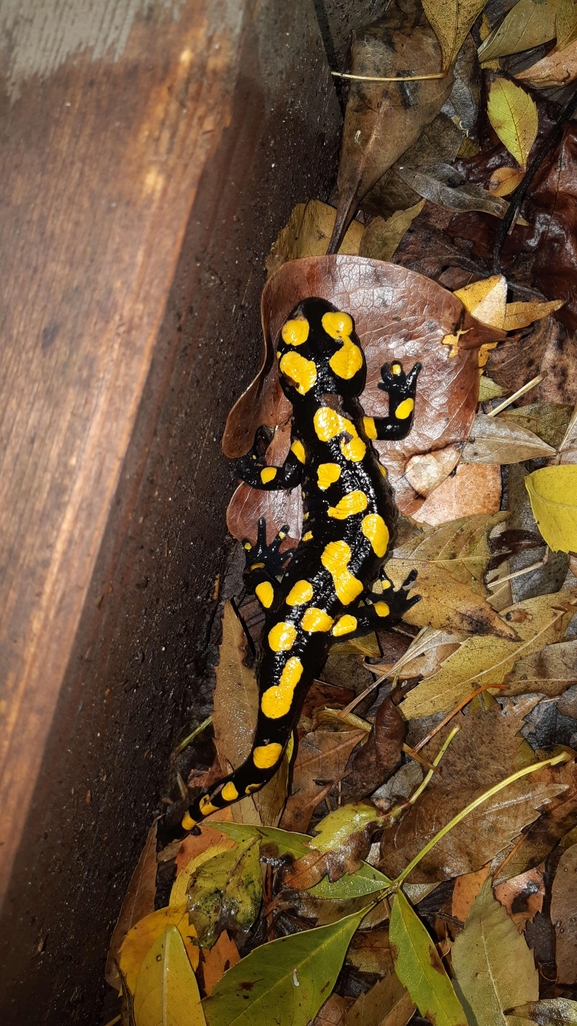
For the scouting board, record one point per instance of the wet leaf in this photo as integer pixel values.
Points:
(548, 420)
(493, 965)
(225, 892)
(293, 975)
(564, 916)
(459, 196)
(504, 180)
(496, 441)
(138, 902)
(551, 1012)
(146, 932)
(383, 119)
(513, 115)
(556, 69)
(381, 238)
(486, 661)
(553, 494)
(307, 233)
(420, 969)
(166, 990)
(179, 890)
(528, 24)
(451, 20)
(487, 749)
(486, 299)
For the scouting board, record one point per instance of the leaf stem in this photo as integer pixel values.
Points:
(373, 78)
(553, 761)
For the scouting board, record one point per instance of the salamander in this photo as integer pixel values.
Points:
(323, 592)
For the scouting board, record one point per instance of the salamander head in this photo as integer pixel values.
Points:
(318, 352)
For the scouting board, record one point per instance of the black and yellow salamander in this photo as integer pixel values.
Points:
(323, 592)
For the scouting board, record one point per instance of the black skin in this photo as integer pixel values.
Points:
(272, 575)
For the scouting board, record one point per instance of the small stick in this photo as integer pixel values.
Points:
(517, 395)
(372, 78)
(521, 573)
(454, 712)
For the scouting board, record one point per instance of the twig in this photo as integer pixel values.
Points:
(190, 738)
(522, 572)
(372, 78)
(517, 395)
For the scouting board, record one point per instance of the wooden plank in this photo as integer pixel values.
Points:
(148, 160)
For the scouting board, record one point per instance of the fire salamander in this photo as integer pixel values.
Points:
(323, 592)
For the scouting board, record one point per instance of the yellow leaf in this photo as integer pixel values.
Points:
(513, 115)
(166, 990)
(488, 389)
(180, 886)
(486, 300)
(528, 24)
(519, 315)
(553, 495)
(307, 234)
(144, 934)
(451, 20)
(504, 180)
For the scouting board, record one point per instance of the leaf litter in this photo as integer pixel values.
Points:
(425, 819)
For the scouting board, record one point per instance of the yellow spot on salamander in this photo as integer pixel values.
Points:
(229, 792)
(374, 528)
(282, 636)
(327, 474)
(299, 450)
(396, 369)
(300, 592)
(328, 424)
(382, 470)
(370, 427)
(265, 756)
(268, 474)
(347, 361)
(206, 806)
(277, 701)
(295, 332)
(265, 593)
(381, 608)
(299, 370)
(345, 625)
(353, 450)
(308, 536)
(353, 502)
(316, 620)
(337, 324)
(188, 822)
(405, 409)
(335, 558)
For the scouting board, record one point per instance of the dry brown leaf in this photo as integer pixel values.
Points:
(333, 1012)
(558, 68)
(471, 490)
(216, 960)
(321, 760)
(564, 916)
(138, 902)
(380, 755)
(444, 186)
(381, 238)
(493, 440)
(465, 891)
(383, 119)
(549, 672)
(523, 895)
(236, 688)
(451, 20)
(425, 471)
(307, 233)
(385, 1004)
(370, 951)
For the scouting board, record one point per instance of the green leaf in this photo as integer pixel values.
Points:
(288, 842)
(513, 115)
(419, 967)
(166, 989)
(552, 1012)
(493, 965)
(451, 20)
(226, 892)
(528, 24)
(284, 982)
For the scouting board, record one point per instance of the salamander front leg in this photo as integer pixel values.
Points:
(254, 470)
(381, 614)
(401, 389)
(265, 564)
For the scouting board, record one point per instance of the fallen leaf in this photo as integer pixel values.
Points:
(489, 389)
(551, 1012)
(307, 233)
(370, 951)
(471, 490)
(451, 20)
(333, 1012)
(504, 180)
(426, 470)
(146, 932)
(465, 891)
(519, 315)
(217, 960)
(225, 892)
(166, 989)
(549, 672)
(381, 238)
(494, 967)
(179, 890)
(138, 902)
(528, 24)
(486, 299)
(487, 660)
(493, 440)
(236, 688)
(380, 755)
(194, 845)
(446, 187)
(553, 495)
(382, 119)
(321, 760)
(513, 115)
(558, 68)
(419, 967)
(385, 1004)
(293, 975)
(548, 420)
(564, 916)
(522, 896)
